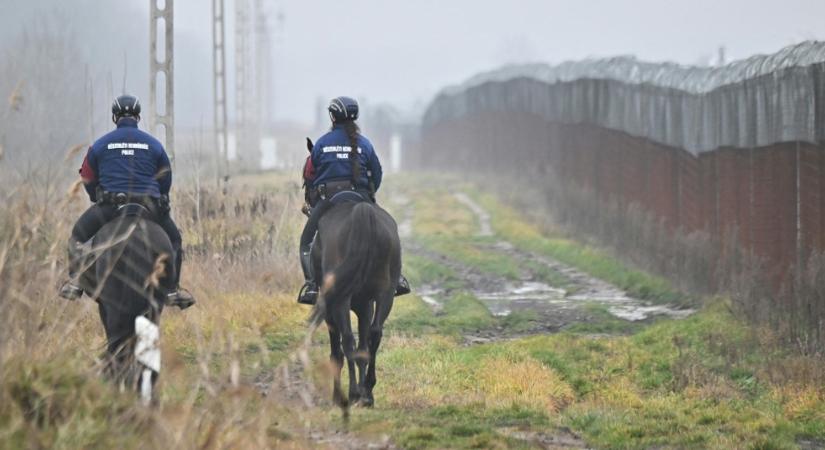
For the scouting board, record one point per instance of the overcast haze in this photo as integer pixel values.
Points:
(404, 52)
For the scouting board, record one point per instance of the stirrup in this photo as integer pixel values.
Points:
(403, 286)
(180, 298)
(70, 291)
(308, 294)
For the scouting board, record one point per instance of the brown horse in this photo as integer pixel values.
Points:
(359, 253)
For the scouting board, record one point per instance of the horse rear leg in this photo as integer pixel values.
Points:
(120, 329)
(362, 355)
(336, 357)
(348, 346)
(384, 306)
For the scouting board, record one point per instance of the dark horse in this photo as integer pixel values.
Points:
(359, 253)
(126, 279)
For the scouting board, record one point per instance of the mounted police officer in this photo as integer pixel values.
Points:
(331, 169)
(125, 165)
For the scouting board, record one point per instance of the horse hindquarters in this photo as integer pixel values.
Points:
(357, 250)
(124, 294)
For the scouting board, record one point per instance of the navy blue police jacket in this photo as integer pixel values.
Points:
(127, 160)
(330, 159)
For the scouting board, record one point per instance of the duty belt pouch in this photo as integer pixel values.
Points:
(100, 195)
(164, 204)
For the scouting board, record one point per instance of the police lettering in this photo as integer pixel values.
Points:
(339, 149)
(129, 145)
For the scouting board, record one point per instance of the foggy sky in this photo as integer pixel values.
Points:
(405, 52)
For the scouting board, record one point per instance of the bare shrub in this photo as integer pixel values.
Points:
(241, 260)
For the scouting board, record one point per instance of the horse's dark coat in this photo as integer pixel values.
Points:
(132, 246)
(359, 253)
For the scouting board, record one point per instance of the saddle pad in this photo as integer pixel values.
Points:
(347, 196)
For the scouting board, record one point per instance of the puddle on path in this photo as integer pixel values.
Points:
(546, 300)
(530, 296)
(555, 306)
(430, 295)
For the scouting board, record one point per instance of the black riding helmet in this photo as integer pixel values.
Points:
(342, 109)
(125, 106)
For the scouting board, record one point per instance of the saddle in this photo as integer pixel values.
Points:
(135, 210)
(337, 192)
(347, 197)
(143, 207)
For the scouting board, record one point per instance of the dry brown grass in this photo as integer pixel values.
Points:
(241, 266)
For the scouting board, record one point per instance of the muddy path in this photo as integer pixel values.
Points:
(552, 294)
(552, 307)
(564, 297)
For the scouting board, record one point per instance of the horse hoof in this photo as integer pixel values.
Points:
(366, 401)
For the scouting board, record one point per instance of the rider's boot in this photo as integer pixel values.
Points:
(179, 297)
(403, 286)
(71, 290)
(309, 292)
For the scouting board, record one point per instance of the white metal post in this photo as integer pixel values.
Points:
(219, 85)
(162, 11)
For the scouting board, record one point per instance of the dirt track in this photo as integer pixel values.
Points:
(554, 306)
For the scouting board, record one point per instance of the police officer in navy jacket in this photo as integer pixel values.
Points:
(126, 163)
(329, 170)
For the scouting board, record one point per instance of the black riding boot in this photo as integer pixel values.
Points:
(403, 286)
(71, 289)
(309, 292)
(179, 297)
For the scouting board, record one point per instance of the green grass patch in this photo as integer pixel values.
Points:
(462, 313)
(601, 321)
(684, 384)
(471, 252)
(460, 427)
(424, 271)
(708, 381)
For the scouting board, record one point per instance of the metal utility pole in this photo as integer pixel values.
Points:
(219, 87)
(263, 62)
(260, 100)
(253, 66)
(278, 41)
(242, 95)
(162, 18)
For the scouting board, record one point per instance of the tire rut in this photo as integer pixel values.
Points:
(553, 305)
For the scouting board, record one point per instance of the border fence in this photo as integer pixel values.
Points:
(735, 151)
